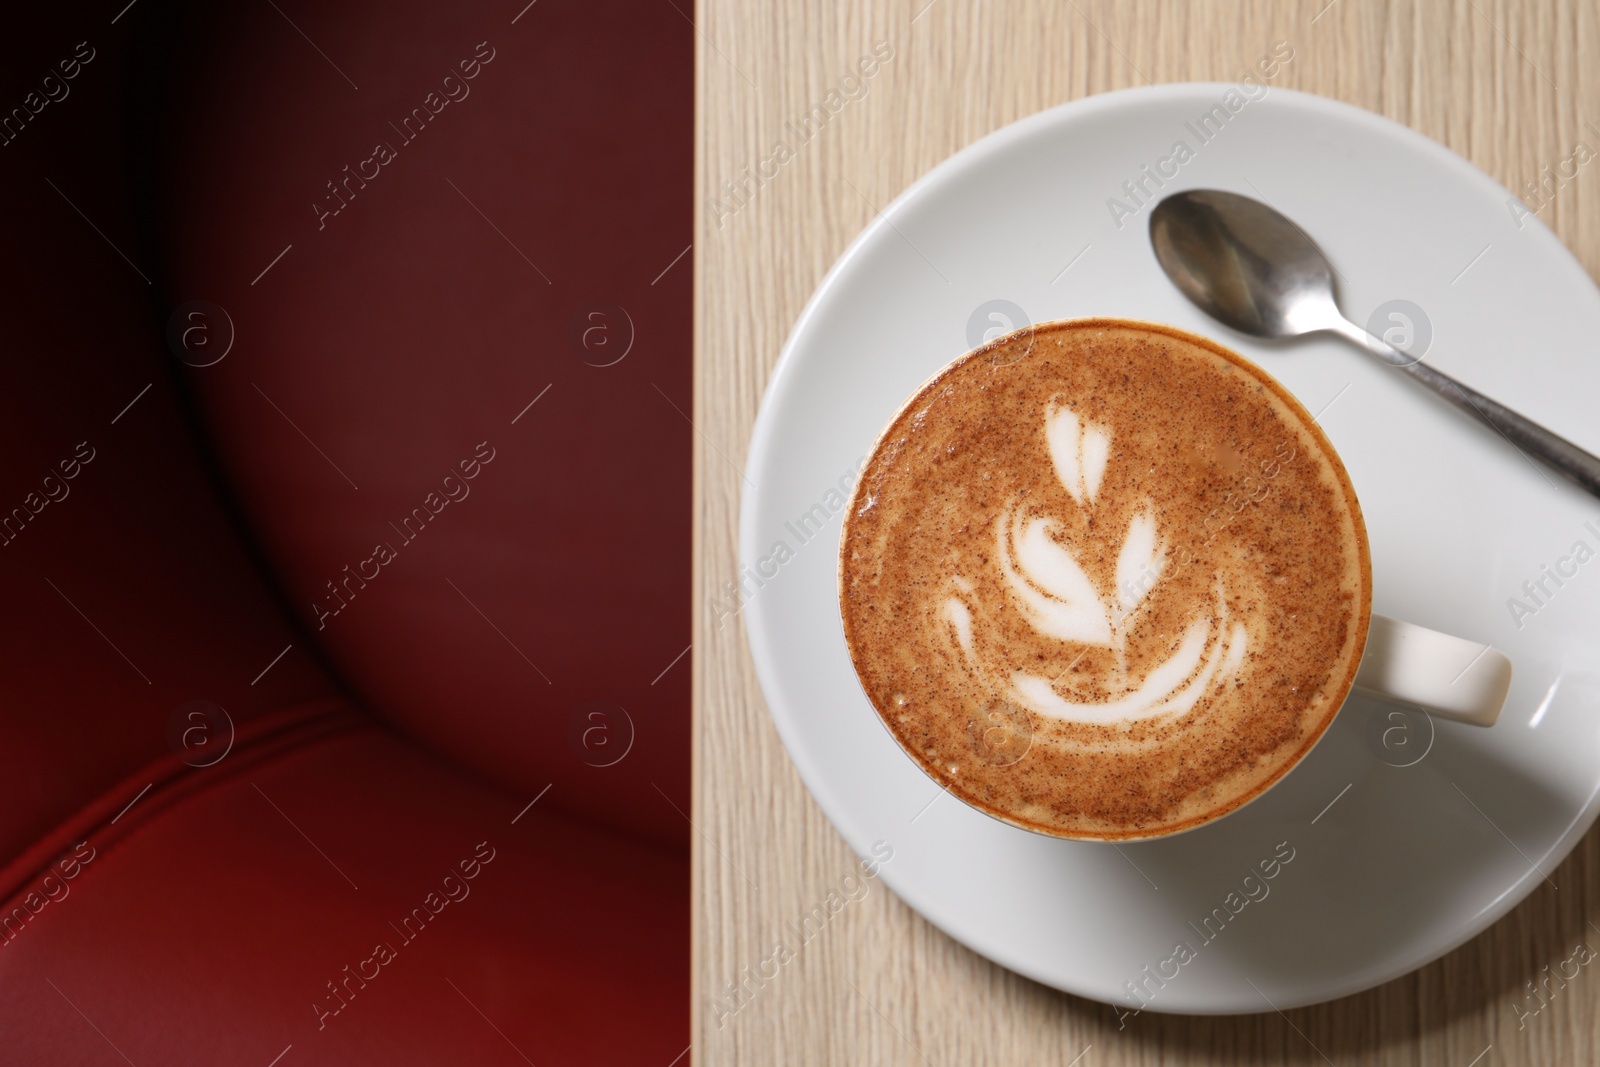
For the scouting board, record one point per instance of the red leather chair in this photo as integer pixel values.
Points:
(344, 528)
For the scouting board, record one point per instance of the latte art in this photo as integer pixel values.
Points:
(1058, 599)
(1110, 587)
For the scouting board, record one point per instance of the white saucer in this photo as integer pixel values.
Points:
(1408, 838)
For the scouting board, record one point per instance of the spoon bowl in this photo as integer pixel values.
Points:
(1243, 263)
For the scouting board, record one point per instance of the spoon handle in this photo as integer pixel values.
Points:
(1524, 434)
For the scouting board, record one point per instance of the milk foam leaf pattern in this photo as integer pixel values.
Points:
(1058, 598)
(1051, 588)
(1172, 687)
(1139, 562)
(1079, 451)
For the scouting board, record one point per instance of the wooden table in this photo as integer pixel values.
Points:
(1510, 86)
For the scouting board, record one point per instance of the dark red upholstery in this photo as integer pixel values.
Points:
(207, 909)
(210, 933)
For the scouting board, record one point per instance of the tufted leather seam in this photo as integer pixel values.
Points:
(119, 812)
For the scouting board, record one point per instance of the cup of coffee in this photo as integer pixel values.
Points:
(1109, 580)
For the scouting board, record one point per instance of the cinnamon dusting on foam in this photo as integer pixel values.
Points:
(1125, 539)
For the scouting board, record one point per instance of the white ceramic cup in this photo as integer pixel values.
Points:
(1449, 677)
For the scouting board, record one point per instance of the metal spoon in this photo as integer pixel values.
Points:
(1250, 268)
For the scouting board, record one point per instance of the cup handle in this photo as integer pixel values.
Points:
(1451, 677)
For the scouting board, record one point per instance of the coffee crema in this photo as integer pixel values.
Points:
(1104, 579)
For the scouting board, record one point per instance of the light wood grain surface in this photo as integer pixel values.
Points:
(1508, 85)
